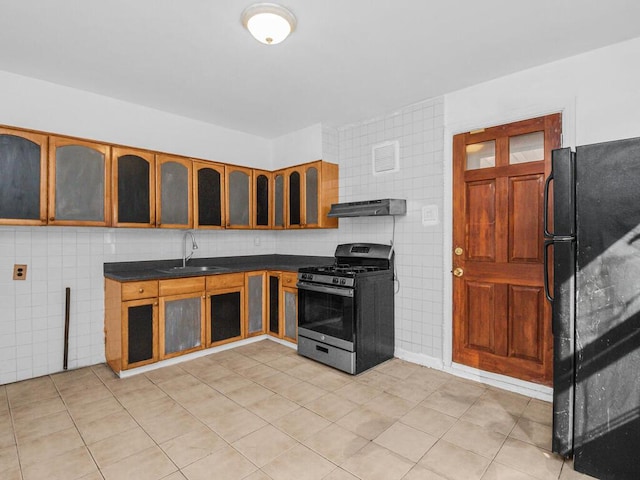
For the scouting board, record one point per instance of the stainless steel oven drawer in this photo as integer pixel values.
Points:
(327, 354)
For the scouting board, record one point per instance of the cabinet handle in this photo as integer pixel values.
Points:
(155, 304)
(141, 290)
(51, 219)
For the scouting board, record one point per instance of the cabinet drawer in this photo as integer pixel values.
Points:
(225, 280)
(289, 279)
(178, 286)
(138, 290)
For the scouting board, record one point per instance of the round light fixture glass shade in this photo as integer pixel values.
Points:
(268, 23)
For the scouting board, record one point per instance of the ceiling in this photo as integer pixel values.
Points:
(348, 60)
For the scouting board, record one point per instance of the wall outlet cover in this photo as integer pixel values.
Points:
(19, 272)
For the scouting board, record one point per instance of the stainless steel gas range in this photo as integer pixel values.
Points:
(346, 310)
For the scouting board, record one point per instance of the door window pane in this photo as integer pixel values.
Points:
(481, 155)
(526, 148)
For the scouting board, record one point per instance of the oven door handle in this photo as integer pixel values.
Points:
(343, 292)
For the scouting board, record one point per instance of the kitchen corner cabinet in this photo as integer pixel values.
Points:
(283, 306)
(208, 195)
(225, 308)
(131, 324)
(23, 178)
(238, 185)
(311, 188)
(182, 316)
(174, 202)
(134, 182)
(262, 199)
(255, 285)
(79, 182)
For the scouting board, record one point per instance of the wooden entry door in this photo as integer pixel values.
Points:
(501, 320)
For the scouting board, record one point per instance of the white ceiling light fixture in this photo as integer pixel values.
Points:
(268, 23)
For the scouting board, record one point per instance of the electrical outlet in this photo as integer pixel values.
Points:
(19, 272)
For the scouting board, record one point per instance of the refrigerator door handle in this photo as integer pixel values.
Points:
(547, 184)
(547, 293)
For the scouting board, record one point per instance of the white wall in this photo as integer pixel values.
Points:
(304, 145)
(39, 105)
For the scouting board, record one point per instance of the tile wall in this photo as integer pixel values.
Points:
(419, 249)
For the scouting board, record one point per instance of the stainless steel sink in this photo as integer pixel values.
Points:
(193, 269)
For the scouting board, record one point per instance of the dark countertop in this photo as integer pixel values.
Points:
(153, 269)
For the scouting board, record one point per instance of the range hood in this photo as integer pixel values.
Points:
(369, 208)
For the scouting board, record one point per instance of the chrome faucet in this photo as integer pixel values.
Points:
(194, 246)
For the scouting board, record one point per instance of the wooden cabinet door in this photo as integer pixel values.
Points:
(79, 182)
(238, 181)
(290, 313)
(501, 319)
(327, 194)
(208, 195)
(225, 313)
(262, 199)
(23, 178)
(174, 198)
(255, 285)
(182, 324)
(139, 332)
(274, 315)
(279, 200)
(134, 184)
(295, 197)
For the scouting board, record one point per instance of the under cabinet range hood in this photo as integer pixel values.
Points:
(369, 208)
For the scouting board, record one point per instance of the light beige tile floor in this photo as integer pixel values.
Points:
(261, 412)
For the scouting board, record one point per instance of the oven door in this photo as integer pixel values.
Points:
(326, 314)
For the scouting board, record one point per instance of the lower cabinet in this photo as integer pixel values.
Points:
(182, 316)
(154, 320)
(225, 308)
(283, 306)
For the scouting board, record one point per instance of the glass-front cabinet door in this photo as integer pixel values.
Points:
(239, 197)
(209, 195)
(181, 324)
(79, 182)
(140, 332)
(256, 302)
(23, 178)
(133, 195)
(279, 204)
(174, 203)
(295, 198)
(311, 195)
(262, 210)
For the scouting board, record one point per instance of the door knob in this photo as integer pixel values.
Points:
(458, 272)
(458, 251)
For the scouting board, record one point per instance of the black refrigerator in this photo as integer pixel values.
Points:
(592, 259)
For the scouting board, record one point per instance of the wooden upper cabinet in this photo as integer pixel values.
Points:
(174, 194)
(310, 190)
(238, 184)
(23, 178)
(262, 199)
(279, 199)
(79, 182)
(134, 181)
(208, 195)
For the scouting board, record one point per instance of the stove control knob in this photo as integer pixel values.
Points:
(343, 281)
(335, 280)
